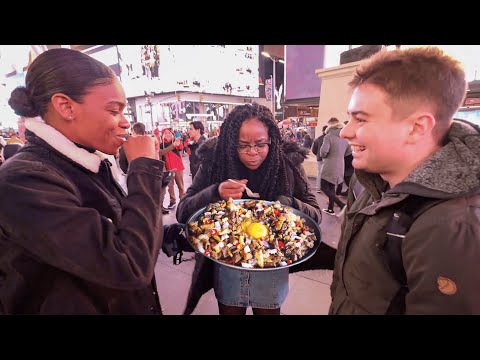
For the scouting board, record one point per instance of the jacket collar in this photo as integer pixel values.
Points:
(58, 141)
(334, 129)
(201, 139)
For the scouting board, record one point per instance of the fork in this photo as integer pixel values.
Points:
(249, 192)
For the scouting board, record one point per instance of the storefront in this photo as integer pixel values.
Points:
(471, 110)
(178, 109)
(172, 85)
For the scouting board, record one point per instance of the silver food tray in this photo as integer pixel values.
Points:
(312, 224)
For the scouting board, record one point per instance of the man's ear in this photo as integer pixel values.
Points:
(63, 104)
(422, 124)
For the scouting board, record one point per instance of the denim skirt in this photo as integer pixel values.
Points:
(258, 289)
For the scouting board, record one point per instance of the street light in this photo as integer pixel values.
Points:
(275, 60)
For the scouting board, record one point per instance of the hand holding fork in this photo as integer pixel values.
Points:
(234, 189)
(249, 192)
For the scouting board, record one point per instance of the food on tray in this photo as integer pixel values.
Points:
(251, 234)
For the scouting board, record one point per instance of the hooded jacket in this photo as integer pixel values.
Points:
(440, 252)
(201, 193)
(71, 242)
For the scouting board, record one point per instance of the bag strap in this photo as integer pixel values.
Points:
(181, 243)
(399, 225)
(177, 258)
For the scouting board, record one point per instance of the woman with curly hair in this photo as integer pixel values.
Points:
(249, 150)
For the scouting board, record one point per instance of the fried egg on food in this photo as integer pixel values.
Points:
(257, 230)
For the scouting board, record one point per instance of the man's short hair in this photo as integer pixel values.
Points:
(10, 149)
(415, 76)
(198, 125)
(333, 121)
(139, 128)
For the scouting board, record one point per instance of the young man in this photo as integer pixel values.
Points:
(405, 144)
(138, 129)
(195, 131)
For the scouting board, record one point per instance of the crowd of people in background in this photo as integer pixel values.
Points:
(173, 144)
(297, 134)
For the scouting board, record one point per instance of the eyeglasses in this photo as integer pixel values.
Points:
(258, 148)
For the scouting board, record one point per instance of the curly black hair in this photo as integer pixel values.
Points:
(275, 180)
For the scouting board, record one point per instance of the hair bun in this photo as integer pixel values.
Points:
(21, 102)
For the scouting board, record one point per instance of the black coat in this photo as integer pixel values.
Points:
(202, 192)
(70, 241)
(317, 145)
(194, 157)
(307, 142)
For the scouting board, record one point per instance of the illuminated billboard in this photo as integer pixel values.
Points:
(212, 69)
(301, 63)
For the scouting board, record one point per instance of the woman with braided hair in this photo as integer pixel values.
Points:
(249, 150)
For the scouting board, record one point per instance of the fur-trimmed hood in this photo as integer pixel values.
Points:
(334, 129)
(206, 149)
(58, 141)
(296, 153)
(452, 172)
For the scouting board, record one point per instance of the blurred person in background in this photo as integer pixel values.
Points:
(317, 145)
(333, 152)
(138, 129)
(14, 139)
(195, 132)
(307, 141)
(11, 149)
(170, 151)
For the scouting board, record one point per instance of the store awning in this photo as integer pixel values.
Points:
(302, 102)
